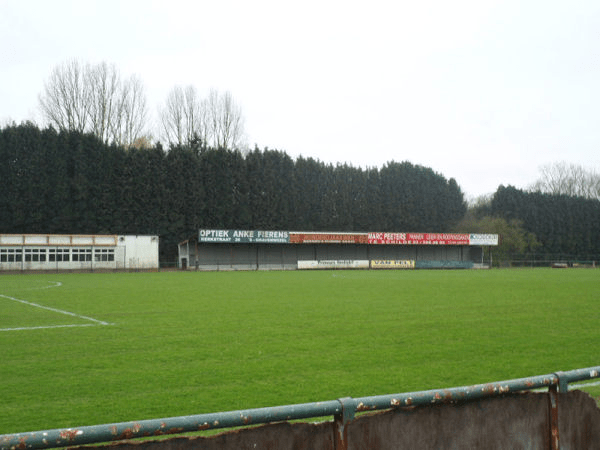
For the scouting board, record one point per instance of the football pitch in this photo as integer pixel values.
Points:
(86, 349)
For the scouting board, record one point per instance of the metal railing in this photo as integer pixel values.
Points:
(343, 411)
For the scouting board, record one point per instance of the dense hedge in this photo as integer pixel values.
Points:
(67, 182)
(563, 225)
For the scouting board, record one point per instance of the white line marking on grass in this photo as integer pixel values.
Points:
(96, 322)
(572, 386)
(584, 385)
(56, 284)
(60, 311)
(47, 327)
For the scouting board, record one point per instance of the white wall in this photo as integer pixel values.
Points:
(82, 252)
(139, 252)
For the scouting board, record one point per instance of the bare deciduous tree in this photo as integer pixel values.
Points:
(217, 120)
(132, 113)
(66, 97)
(182, 119)
(225, 120)
(104, 83)
(94, 98)
(568, 179)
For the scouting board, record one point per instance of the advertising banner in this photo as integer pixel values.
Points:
(418, 238)
(484, 239)
(392, 264)
(329, 238)
(286, 237)
(244, 236)
(333, 264)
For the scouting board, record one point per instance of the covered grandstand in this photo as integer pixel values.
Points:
(214, 249)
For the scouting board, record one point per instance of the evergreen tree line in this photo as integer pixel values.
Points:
(564, 226)
(69, 182)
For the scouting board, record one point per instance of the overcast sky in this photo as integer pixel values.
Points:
(481, 91)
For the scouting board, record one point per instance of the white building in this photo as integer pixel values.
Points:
(24, 252)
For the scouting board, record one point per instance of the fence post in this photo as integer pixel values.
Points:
(340, 422)
(562, 387)
(553, 400)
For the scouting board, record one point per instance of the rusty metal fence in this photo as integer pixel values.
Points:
(343, 411)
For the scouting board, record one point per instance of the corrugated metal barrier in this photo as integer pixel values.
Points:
(344, 432)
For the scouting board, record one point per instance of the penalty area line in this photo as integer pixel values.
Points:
(56, 310)
(95, 322)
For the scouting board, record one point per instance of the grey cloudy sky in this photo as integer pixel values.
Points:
(481, 91)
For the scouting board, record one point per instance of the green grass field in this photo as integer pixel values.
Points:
(151, 345)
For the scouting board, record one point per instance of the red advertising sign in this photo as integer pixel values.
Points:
(419, 238)
(329, 238)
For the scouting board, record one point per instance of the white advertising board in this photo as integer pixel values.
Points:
(392, 264)
(333, 264)
(483, 239)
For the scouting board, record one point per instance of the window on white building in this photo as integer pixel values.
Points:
(35, 255)
(81, 254)
(11, 255)
(104, 254)
(58, 255)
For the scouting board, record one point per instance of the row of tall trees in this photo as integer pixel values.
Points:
(96, 99)
(70, 182)
(562, 224)
(186, 117)
(573, 180)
